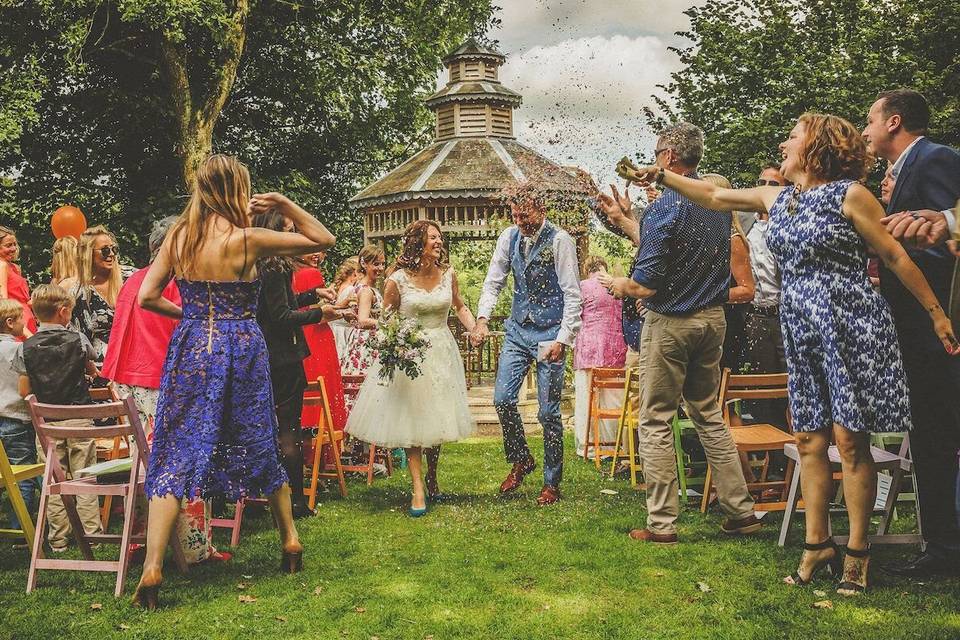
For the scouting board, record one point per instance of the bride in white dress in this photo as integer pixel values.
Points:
(422, 413)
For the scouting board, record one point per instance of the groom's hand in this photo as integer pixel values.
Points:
(555, 353)
(480, 332)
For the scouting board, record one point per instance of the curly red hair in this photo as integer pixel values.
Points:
(833, 149)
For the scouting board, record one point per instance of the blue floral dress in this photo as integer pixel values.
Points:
(842, 353)
(216, 430)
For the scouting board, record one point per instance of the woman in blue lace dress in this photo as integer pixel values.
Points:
(843, 359)
(216, 429)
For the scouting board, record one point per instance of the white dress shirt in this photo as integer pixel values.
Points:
(568, 276)
(764, 265)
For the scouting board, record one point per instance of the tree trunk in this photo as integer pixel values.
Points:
(196, 103)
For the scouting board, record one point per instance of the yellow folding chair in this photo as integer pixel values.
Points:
(12, 474)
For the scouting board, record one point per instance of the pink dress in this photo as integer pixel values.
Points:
(600, 341)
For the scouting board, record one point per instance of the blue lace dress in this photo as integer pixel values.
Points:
(216, 430)
(842, 353)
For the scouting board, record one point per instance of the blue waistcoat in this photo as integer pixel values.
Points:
(537, 296)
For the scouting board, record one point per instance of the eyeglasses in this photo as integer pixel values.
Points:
(768, 183)
(109, 250)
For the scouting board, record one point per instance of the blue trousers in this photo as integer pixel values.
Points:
(19, 441)
(518, 353)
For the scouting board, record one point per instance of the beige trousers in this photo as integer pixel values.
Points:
(680, 359)
(73, 454)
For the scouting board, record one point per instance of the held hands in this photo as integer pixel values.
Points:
(917, 229)
(555, 353)
(480, 332)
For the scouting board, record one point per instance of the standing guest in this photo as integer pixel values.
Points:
(599, 344)
(544, 321)
(323, 360)
(16, 429)
(216, 427)
(887, 186)
(683, 276)
(357, 356)
(423, 413)
(54, 364)
(96, 287)
(64, 265)
(282, 322)
(134, 362)
(343, 282)
(13, 285)
(927, 186)
(846, 373)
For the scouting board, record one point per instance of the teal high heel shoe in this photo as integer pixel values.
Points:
(417, 512)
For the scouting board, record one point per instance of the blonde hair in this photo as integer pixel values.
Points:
(349, 267)
(7, 231)
(9, 310)
(222, 189)
(47, 299)
(716, 180)
(368, 255)
(833, 149)
(85, 264)
(65, 256)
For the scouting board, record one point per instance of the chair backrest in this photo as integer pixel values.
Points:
(123, 413)
(759, 386)
(104, 394)
(608, 378)
(315, 395)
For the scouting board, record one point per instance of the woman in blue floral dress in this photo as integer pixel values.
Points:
(216, 430)
(843, 359)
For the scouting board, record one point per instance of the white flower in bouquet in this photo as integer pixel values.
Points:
(400, 344)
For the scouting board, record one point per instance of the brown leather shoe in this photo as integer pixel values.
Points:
(645, 535)
(741, 527)
(516, 475)
(548, 495)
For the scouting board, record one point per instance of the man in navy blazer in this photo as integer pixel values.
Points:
(927, 187)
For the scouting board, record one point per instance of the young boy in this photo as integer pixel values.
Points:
(16, 430)
(54, 365)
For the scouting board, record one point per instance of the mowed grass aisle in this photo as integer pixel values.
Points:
(478, 566)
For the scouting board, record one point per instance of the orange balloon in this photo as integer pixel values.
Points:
(68, 221)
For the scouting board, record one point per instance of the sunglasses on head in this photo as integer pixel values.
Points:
(109, 250)
(768, 183)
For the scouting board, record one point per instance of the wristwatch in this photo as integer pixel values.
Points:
(659, 178)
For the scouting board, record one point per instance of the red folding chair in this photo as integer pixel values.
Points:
(326, 439)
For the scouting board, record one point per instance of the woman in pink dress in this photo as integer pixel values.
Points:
(600, 343)
(12, 284)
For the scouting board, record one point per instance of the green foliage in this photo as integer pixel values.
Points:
(327, 96)
(753, 66)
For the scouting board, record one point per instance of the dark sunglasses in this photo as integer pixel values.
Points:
(109, 250)
(768, 183)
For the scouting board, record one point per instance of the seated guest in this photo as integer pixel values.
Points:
(599, 344)
(134, 361)
(55, 364)
(16, 430)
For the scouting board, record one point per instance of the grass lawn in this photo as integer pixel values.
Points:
(478, 566)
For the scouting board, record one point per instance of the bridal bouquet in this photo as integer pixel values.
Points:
(400, 344)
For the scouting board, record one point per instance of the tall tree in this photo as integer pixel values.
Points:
(753, 66)
(110, 104)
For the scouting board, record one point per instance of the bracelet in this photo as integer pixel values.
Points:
(933, 308)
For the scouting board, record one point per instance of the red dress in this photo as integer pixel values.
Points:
(18, 290)
(323, 360)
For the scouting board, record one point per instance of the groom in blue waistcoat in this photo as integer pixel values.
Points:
(544, 320)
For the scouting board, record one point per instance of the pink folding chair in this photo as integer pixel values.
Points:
(126, 424)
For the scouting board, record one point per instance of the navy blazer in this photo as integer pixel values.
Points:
(928, 179)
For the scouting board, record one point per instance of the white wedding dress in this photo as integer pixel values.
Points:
(432, 408)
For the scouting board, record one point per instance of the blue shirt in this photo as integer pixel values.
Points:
(684, 255)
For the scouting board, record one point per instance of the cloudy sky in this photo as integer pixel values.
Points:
(585, 69)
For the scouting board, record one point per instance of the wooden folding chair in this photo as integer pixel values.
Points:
(12, 474)
(351, 387)
(897, 465)
(754, 437)
(108, 449)
(126, 424)
(602, 379)
(627, 427)
(326, 439)
(234, 523)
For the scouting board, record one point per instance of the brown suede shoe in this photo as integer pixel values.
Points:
(645, 535)
(548, 495)
(516, 475)
(741, 527)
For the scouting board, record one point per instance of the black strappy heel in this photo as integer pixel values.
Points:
(850, 587)
(832, 563)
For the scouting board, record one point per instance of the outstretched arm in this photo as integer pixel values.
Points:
(865, 212)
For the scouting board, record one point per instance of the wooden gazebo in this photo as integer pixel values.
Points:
(474, 156)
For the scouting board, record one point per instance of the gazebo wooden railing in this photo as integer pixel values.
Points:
(480, 363)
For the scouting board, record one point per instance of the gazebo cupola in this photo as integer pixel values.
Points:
(474, 103)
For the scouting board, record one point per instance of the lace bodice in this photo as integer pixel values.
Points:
(431, 308)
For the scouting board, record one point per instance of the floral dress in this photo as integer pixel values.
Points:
(93, 317)
(358, 356)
